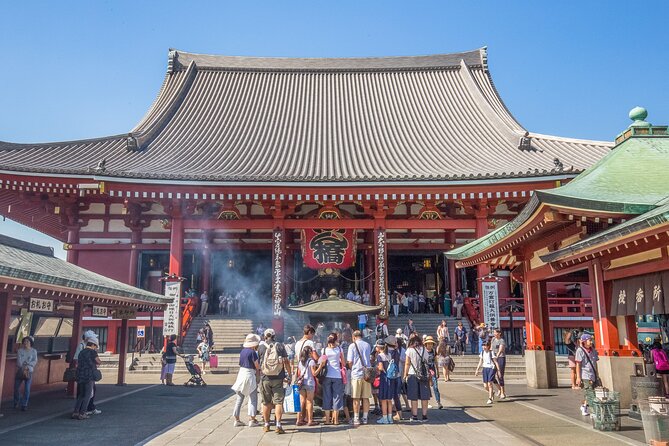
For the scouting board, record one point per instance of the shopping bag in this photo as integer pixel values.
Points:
(291, 400)
(213, 361)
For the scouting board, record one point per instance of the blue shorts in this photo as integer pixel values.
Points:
(488, 375)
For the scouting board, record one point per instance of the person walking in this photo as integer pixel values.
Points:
(358, 358)
(487, 364)
(498, 347)
(203, 354)
(382, 329)
(444, 359)
(460, 339)
(208, 333)
(388, 365)
(397, 301)
(569, 338)
(417, 377)
(661, 361)
(475, 345)
(170, 358)
(333, 385)
(26, 360)
(86, 373)
(433, 369)
(274, 368)
(307, 369)
(586, 368)
(448, 303)
(362, 322)
(458, 303)
(409, 328)
(204, 304)
(442, 332)
(246, 384)
(91, 409)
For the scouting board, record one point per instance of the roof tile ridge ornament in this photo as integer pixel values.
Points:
(171, 59)
(484, 58)
(144, 136)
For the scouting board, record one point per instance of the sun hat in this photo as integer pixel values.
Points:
(270, 333)
(93, 340)
(398, 331)
(89, 334)
(391, 340)
(251, 341)
(380, 343)
(429, 340)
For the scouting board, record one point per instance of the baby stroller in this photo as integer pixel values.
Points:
(195, 372)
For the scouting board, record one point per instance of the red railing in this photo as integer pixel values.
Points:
(187, 314)
(557, 306)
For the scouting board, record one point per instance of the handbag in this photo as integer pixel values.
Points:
(97, 375)
(70, 375)
(451, 365)
(23, 373)
(368, 373)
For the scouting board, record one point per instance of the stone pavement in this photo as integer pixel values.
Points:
(466, 420)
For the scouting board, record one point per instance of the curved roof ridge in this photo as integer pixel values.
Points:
(181, 59)
(574, 140)
(6, 145)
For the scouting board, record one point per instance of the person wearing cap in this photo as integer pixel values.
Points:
(429, 344)
(246, 385)
(272, 376)
(86, 366)
(586, 367)
(26, 360)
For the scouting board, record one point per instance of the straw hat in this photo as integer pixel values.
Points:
(429, 340)
(251, 341)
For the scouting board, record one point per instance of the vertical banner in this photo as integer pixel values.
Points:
(490, 302)
(171, 317)
(380, 264)
(278, 287)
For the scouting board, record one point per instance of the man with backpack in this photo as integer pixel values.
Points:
(274, 369)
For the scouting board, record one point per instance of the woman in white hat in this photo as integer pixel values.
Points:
(86, 376)
(246, 384)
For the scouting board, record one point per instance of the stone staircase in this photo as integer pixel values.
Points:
(425, 323)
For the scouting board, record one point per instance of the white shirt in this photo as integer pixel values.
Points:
(414, 356)
(487, 359)
(299, 345)
(334, 364)
(306, 373)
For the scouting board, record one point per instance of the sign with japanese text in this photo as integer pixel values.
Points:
(328, 248)
(125, 313)
(45, 305)
(490, 303)
(381, 272)
(99, 311)
(278, 251)
(141, 331)
(171, 316)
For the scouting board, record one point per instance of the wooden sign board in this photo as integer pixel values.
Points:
(125, 313)
(43, 305)
(99, 311)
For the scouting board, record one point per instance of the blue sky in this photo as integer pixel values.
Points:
(85, 69)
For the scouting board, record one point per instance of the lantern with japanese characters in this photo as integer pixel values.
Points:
(328, 248)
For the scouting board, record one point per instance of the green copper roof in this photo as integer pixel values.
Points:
(335, 306)
(652, 218)
(632, 179)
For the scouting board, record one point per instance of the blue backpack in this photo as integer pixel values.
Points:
(393, 370)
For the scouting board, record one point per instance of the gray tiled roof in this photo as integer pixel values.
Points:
(28, 262)
(222, 118)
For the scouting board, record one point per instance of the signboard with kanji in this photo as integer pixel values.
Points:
(125, 313)
(328, 248)
(141, 331)
(171, 315)
(43, 305)
(490, 303)
(99, 311)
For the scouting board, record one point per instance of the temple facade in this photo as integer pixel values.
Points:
(283, 177)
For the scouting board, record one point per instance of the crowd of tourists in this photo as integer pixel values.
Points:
(362, 381)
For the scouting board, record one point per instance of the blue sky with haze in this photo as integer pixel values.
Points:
(85, 69)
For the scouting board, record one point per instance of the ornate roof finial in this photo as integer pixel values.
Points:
(638, 115)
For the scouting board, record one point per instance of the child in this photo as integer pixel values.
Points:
(203, 353)
(444, 359)
(486, 361)
(306, 369)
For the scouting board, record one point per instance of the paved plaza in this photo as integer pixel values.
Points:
(145, 413)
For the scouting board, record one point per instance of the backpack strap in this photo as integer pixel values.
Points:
(587, 357)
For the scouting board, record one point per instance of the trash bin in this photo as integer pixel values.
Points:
(604, 408)
(655, 418)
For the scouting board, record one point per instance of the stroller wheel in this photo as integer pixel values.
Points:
(204, 384)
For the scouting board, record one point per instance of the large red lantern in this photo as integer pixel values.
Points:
(328, 248)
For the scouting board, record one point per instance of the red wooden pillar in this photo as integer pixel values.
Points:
(176, 245)
(133, 267)
(533, 317)
(278, 276)
(632, 335)
(381, 270)
(5, 313)
(606, 328)
(122, 353)
(77, 317)
(72, 239)
(547, 329)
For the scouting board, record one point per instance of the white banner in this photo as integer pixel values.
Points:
(171, 316)
(490, 303)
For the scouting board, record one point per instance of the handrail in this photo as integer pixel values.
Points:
(557, 306)
(187, 313)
